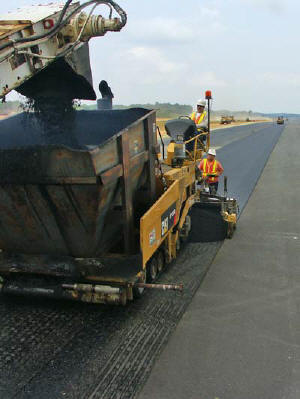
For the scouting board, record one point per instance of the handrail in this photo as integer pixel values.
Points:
(196, 139)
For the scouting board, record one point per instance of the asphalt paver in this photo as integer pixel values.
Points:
(240, 336)
(54, 349)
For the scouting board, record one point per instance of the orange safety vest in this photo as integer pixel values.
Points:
(206, 170)
(200, 117)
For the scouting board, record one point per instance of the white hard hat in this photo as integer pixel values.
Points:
(201, 102)
(212, 151)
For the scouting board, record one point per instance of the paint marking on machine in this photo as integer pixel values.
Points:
(152, 237)
(168, 219)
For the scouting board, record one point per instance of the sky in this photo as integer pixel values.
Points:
(245, 51)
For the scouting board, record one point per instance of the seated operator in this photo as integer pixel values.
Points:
(200, 117)
(211, 170)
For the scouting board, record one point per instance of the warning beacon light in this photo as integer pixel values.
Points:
(208, 95)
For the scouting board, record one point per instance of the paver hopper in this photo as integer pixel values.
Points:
(81, 195)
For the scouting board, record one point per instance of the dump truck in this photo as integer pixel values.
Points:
(226, 120)
(90, 213)
(280, 120)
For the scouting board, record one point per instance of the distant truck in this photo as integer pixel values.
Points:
(225, 119)
(280, 120)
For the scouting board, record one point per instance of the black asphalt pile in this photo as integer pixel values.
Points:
(82, 130)
(50, 117)
(55, 117)
(50, 101)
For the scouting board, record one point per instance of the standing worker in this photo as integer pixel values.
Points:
(200, 116)
(211, 170)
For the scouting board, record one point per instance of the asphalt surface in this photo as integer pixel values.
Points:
(240, 337)
(222, 137)
(51, 349)
(243, 159)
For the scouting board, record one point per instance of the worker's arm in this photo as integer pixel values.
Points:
(219, 168)
(204, 175)
(203, 124)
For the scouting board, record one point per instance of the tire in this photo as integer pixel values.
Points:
(178, 245)
(186, 228)
(152, 269)
(160, 261)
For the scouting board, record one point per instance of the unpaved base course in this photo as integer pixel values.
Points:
(110, 349)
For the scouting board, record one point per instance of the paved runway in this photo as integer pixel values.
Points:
(222, 137)
(245, 157)
(240, 337)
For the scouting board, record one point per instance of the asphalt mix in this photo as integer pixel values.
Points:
(240, 336)
(54, 349)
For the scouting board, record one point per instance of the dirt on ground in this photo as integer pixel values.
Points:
(214, 125)
(4, 116)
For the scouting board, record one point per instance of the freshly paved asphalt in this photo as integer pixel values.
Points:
(240, 337)
(245, 157)
(222, 137)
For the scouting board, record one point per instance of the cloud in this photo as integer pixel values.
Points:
(273, 6)
(210, 79)
(210, 12)
(277, 79)
(162, 30)
(152, 64)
